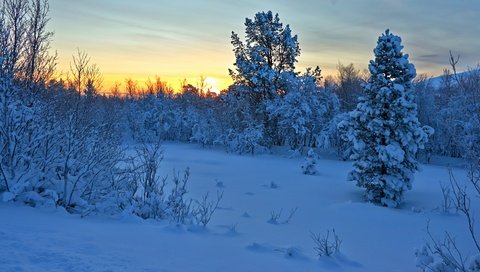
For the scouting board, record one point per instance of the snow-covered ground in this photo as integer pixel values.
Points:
(239, 237)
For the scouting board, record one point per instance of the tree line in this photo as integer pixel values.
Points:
(63, 140)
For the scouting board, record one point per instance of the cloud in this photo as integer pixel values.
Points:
(429, 56)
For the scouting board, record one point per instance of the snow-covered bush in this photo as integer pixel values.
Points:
(446, 255)
(457, 116)
(331, 137)
(86, 152)
(67, 153)
(384, 128)
(148, 199)
(309, 165)
(304, 112)
(57, 146)
(248, 141)
(18, 135)
(148, 195)
(452, 107)
(206, 130)
(179, 209)
(17, 127)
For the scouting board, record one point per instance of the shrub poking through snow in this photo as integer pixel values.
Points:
(206, 207)
(310, 162)
(179, 208)
(149, 199)
(275, 217)
(326, 244)
(447, 200)
(384, 127)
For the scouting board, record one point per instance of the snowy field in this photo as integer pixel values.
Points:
(239, 237)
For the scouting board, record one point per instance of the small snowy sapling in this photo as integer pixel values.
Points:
(309, 164)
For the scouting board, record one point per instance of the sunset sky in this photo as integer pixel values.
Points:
(191, 38)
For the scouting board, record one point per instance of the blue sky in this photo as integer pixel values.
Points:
(187, 39)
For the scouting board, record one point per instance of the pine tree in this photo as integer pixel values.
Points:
(384, 127)
(264, 66)
(269, 53)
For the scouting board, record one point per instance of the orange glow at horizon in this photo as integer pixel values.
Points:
(213, 83)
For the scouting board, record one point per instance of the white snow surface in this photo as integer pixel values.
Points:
(239, 237)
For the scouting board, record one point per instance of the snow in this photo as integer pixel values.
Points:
(239, 237)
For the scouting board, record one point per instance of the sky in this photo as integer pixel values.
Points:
(187, 39)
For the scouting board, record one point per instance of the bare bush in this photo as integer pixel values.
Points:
(149, 190)
(462, 201)
(206, 207)
(447, 201)
(445, 255)
(179, 208)
(275, 217)
(326, 244)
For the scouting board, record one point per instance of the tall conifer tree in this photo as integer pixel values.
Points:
(384, 127)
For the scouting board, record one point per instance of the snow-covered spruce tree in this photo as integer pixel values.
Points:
(384, 128)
